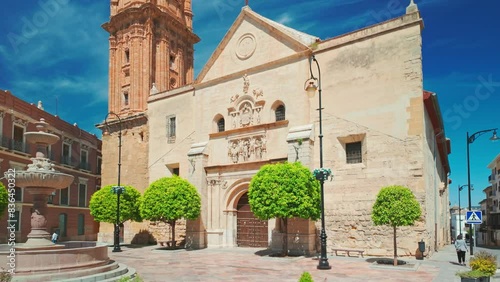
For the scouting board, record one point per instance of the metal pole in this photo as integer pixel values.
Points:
(459, 212)
(323, 261)
(118, 189)
(469, 190)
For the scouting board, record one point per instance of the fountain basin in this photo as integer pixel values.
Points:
(73, 256)
(43, 179)
(41, 138)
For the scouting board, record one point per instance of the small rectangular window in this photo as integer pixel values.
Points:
(127, 56)
(353, 153)
(125, 98)
(171, 129)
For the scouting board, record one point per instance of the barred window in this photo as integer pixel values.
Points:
(280, 113)
(353, 153)
(221, 125)
(171, 128)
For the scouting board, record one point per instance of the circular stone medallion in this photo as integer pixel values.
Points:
(246, 46)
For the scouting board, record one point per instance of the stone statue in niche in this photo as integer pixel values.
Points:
(247, 149)
(234, 151)
(246, 115)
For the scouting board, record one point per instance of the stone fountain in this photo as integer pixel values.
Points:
(41, 180)
(39, 259)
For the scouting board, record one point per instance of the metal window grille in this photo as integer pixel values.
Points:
(171, 129)
(280, 113)
(353, 153)
(221, 125)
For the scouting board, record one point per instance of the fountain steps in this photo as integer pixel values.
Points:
(111, 272)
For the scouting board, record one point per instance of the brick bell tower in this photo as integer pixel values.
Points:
(150, 50)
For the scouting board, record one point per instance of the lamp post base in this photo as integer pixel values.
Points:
(117, 239)
(323, 264)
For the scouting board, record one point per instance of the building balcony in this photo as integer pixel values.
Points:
(84, 166)
(66, 160)
(491, 178)
(14, 145)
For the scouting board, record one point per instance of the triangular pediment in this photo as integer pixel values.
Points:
(252, 41)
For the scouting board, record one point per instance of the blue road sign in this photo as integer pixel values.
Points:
(474, 217)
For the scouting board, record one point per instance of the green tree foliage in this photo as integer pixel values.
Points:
(395, 206)
(284, 190)
(306, 277)
(103, 205)
(169, 199)
(4, 201)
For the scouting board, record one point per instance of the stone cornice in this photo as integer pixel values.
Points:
(281, 123)
(371, 31)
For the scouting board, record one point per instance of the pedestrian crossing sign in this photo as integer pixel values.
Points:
(474, 217)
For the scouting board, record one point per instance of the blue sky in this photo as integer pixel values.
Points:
(57, 52)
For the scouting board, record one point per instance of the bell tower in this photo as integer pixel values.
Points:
(150, 50)
(149, 42)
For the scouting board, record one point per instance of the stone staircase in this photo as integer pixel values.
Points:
(113, 271)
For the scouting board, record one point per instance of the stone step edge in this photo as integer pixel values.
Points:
(102, 276)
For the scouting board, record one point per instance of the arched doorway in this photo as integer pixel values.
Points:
(251, 232)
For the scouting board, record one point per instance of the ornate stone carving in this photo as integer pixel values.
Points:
(67, 140)
(40, 164)
(217, 181)
(247, 149)
(20, 121)
(245, 109)
(245, 47)
(38, 220)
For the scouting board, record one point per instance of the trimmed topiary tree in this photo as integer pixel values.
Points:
(395, 206)
(103, 205)
(169, 199)
(284, 190)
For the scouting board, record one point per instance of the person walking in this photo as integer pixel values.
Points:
(55, 236)
(461, 247)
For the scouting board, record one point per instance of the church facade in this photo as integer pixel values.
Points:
(248, 107)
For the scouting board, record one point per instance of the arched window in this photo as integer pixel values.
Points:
(221, 125)
(280, 113)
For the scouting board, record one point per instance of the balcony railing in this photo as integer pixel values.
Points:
(15, 145)
(66, 160)
(84, 165)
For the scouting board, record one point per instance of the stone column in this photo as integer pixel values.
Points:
(195, 229)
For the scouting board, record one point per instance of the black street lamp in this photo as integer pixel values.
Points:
(321, 174)
(118, 190)
(460, 188)
(470, 140)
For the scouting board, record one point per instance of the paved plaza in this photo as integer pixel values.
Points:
(154, 264)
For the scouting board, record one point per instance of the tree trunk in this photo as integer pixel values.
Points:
(172, 223)
(285, 237)
(395, 248)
